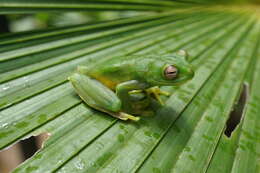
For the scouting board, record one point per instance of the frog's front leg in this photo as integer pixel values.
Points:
(98, 96)
(156, 92)
(132, 95)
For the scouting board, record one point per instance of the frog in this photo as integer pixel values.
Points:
(124, 86)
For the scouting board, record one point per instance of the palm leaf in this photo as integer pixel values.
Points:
(29, 6)
(185, 135)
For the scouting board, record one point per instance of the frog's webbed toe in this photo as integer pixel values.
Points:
(124, 116)
(156, 92)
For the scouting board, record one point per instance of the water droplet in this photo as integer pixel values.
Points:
(79, 164)
(5, 125)
(31, 168)
(26, 82)
(148, 133)
(209, 119)
(42, 118)
(25, 78)
(105, 157)
(121, 126)
(156, 135)
(207, 137)
(5, 88)
(156, 170)
(120, 138)
(192, 158)
(99, 145)
(21, 124)
(60, 161)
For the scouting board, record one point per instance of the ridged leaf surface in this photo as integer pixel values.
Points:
(185, 135)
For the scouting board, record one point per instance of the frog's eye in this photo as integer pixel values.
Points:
(170, 72)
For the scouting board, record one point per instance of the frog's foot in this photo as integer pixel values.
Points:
(124, 116)
(156, 91)
(135, 91)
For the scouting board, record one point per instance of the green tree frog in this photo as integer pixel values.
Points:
(124, 86)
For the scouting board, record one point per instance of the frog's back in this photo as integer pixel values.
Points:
(115, 70)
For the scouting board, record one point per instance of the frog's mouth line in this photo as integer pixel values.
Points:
(178, 81)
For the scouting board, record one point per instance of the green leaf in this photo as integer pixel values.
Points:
(186, 134)
(29, 6)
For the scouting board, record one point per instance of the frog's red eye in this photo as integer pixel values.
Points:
(170, 72)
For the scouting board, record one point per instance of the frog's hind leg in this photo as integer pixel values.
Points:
(98, 96)
(95, 93)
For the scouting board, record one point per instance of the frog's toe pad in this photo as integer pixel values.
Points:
(125, 116)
